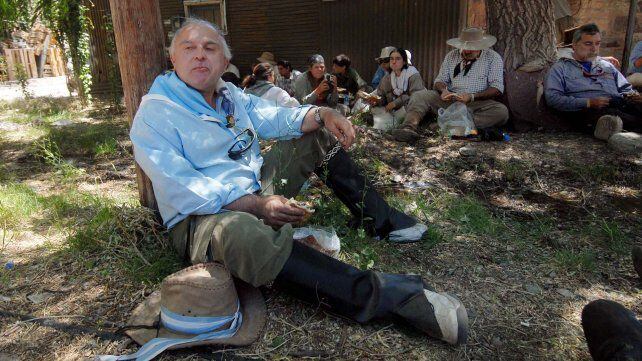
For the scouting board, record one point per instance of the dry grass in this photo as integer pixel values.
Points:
(510, 227)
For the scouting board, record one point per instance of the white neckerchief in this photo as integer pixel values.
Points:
(400, 83)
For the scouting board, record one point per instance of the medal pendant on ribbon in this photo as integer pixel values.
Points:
(230, 121)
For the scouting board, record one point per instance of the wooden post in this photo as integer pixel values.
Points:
(141, 56)
(43, 56)
(11, 65)
(628, 41)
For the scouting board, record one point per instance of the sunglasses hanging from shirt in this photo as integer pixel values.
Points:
(242, 141)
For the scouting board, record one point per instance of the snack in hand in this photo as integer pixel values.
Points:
(367, 96)
(302, 205)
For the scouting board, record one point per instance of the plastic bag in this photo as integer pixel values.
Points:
(385, 120)
(322, 240)
(456, 120)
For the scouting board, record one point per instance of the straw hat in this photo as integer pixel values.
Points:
(192, 301)
(267, 57)
(472, 39)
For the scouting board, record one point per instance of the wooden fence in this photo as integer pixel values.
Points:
(26, 59)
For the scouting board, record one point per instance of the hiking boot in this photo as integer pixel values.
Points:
(606, 126)
(366, 295)
(636, 254)
(612, 332)
(407, 133)
(440, 315)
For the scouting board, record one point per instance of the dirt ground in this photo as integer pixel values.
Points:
(526, 232)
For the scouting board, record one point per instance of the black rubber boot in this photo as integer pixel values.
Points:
(366, 295)
(345, 179)
(612, 332)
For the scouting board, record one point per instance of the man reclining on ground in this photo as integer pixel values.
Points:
(195, 137)
(585, 87)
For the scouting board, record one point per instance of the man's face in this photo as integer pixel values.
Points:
(317, 70)
(470, 54)
(336, 69)
(385, 64)
(588, 47)
(285, 72)
(198, 57)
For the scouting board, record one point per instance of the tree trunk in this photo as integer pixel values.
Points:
(141, 56)
(525, 32)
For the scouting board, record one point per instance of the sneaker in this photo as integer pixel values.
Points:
(439, 315)
(408, 235)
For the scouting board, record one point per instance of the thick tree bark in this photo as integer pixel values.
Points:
(141, 56)
(525, 32)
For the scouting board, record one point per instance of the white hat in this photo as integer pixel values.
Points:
(472, 39)
(385, 53)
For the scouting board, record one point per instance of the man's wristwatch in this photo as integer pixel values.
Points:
(317, 116)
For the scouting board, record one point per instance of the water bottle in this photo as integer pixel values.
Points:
(506, 137)
(346, 99)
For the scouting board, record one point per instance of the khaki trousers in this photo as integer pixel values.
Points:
(486, 113)
(253, 251)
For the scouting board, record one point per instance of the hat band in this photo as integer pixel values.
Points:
(157, 345)
(191, 324)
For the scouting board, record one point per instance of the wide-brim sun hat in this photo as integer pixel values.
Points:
(267, 57)
(198, 306)
(472, 39)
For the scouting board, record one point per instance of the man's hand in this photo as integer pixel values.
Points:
(390, 107)
(447, 95)
(334, 81)
(323, 87)
(275, 211)
(463, 97)
(634, 97)
(598, 103)
(338, 125)
(612, 60)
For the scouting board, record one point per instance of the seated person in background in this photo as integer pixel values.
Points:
(232, 75)
(315, 86)
(635, 66)
(635, 61)
(585, 87)
(403, 87)
(261, 84)
(287, 76)
(472, 74)
(347, 77)
(384, 65)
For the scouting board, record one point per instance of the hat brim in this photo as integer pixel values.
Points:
(252, 306)
(263, 60)
(486, 42)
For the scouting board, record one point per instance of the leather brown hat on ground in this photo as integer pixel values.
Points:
(199, 305)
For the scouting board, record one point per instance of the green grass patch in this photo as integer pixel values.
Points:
(89, 139)
(468, 214)
(17, 203)
(591, 172)
(514, 170)
(576, 261)
(49, 152)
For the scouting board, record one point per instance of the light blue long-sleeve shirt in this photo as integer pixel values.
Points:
(182, 145)
(567, 88)
(635, 55)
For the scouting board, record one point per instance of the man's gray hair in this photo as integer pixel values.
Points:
(588, 29)
(200, 22)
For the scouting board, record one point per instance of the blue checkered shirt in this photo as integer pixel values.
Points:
(486, 72)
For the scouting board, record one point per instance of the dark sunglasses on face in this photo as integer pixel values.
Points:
(242, 142)
(384, 60)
